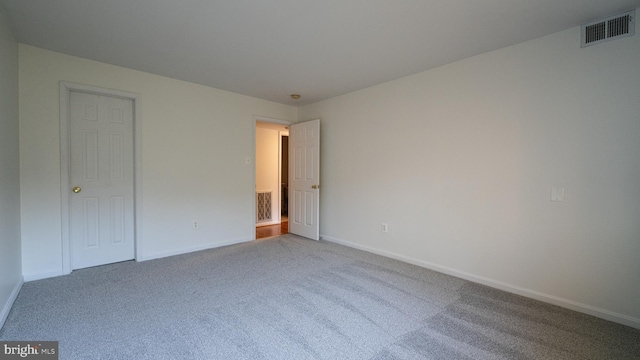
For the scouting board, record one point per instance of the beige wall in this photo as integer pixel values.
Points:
(194, 142)
(10, 266)
(460, 161)
(267, 165)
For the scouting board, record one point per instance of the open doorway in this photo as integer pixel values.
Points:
(272, 179)
(284, 178)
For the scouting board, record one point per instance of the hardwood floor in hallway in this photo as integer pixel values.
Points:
(272, 230)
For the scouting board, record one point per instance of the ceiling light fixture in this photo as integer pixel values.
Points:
(295, 96)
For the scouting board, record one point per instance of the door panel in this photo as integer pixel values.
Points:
(118, 219)
(91, 212)
(101, 167)
(304, 162)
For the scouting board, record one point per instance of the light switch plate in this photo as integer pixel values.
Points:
(557, 194)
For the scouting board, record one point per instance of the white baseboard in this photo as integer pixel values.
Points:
(43, 275)
(192, 249)
(12, 298)
(50, 274)
(551, 299)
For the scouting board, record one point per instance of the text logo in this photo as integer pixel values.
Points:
(29, 350)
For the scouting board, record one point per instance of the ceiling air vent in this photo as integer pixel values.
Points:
(612, 28)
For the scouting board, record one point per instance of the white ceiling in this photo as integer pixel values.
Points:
(270, 49)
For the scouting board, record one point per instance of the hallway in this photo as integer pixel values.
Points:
(272, 230)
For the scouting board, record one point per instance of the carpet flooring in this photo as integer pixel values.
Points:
(291, 298)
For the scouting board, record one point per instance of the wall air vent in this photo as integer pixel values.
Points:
(612, 28)
(263, 206)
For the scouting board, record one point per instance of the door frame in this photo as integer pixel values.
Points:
(65, 153)
(254, 123)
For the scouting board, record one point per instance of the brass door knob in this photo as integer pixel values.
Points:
(315, 186)
(76, 189)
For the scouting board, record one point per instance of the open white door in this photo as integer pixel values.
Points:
(304, 179)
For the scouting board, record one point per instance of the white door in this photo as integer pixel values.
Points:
(101, 179)
(304, 179)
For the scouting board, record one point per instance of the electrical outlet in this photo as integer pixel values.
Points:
(194, 225)
(385, 227)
